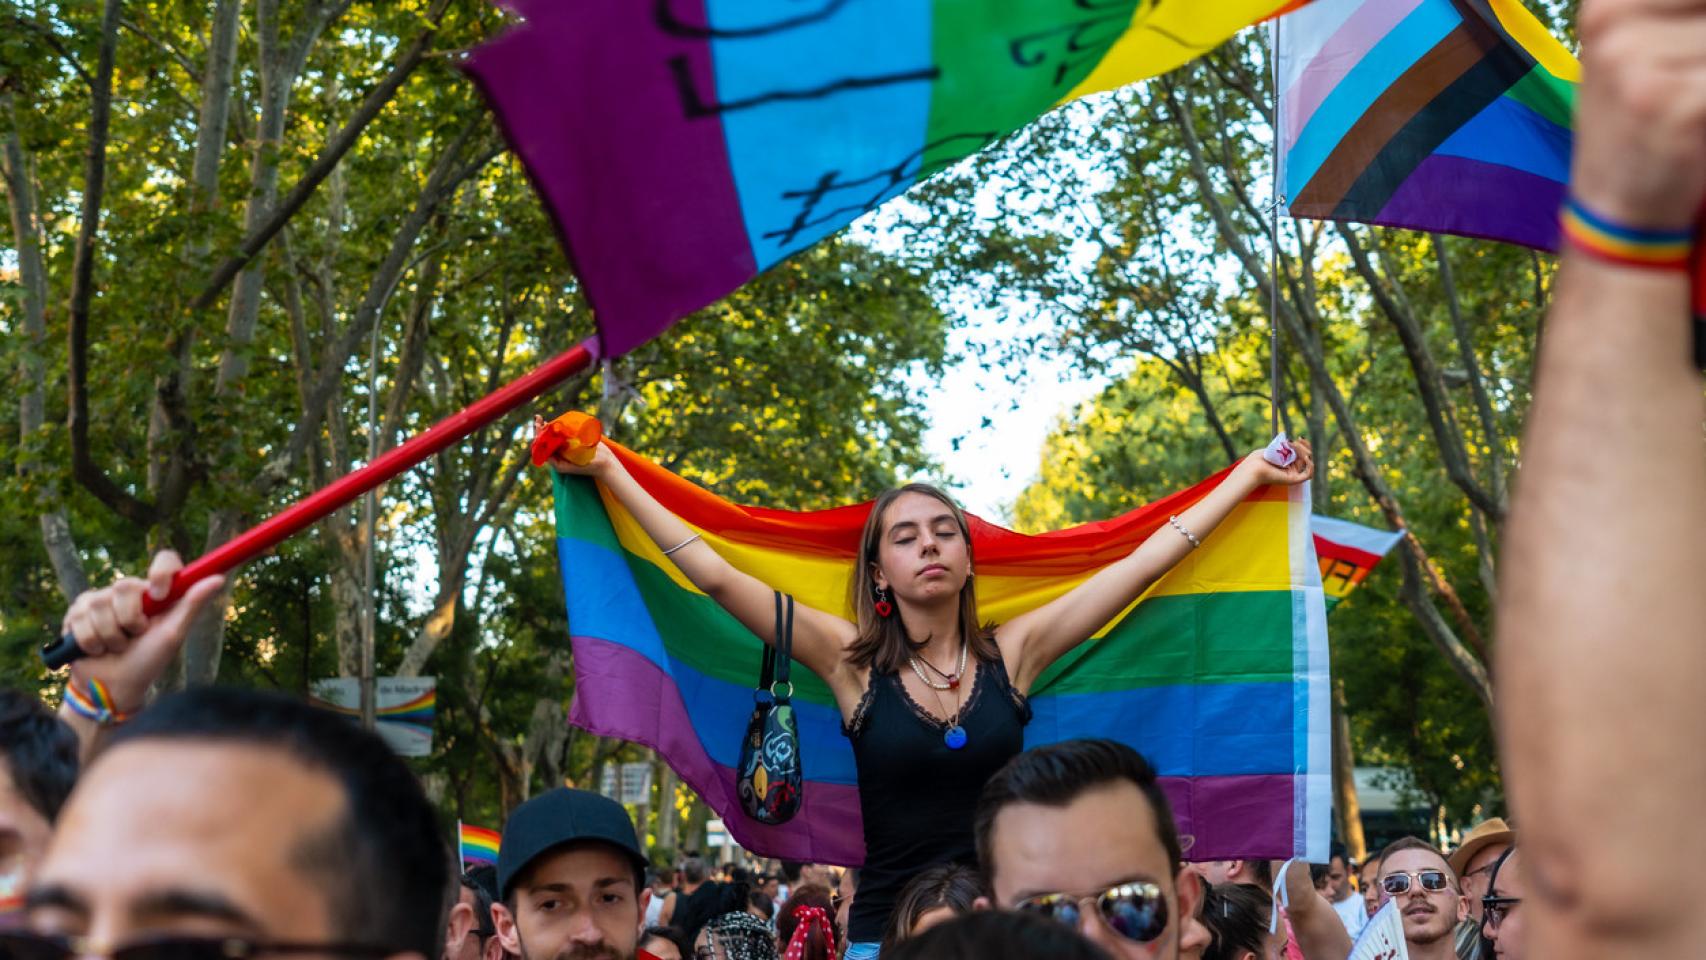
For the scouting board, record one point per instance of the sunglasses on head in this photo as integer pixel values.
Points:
(1136, 911)
(29, 946)
(1432, 881)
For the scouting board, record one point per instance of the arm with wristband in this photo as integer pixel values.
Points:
(1600, 616)
(125, 650)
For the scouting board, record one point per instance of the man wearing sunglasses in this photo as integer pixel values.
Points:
(1416, 875)
(223, 824)
(1080, 832)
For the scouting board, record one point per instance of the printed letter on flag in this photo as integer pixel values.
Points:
(684, 146)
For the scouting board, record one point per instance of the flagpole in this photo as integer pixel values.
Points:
(1274, 236)
(321, 503)
(461, 861)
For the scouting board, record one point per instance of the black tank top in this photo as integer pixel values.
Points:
(916, 795)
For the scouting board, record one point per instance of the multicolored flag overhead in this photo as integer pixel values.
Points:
(1218, 674)
(1446, 115)
(1347, 553)
(684, 146)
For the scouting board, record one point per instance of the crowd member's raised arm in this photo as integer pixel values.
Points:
(819, 639)
(1602, 614)
(1321, 935)
(125, 650)
(1034, 640)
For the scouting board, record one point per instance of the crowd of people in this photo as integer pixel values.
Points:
(219, 824)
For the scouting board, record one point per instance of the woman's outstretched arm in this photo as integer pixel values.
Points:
(820, 638)
(1034, 640)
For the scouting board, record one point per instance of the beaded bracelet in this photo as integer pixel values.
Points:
(95, 703)
(1630, 246)
(1174, 520)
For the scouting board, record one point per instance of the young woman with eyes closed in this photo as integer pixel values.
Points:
(932, 702)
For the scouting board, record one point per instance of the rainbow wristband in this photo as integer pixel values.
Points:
(96, 703)
(1629, 246)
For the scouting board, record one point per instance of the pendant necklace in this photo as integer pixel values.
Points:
(955, 736)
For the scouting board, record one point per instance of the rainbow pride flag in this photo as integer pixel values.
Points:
(1218, 674)
(416, 711)
(1446, 115)
(1348, 552)
(685, 146)
(478, 844)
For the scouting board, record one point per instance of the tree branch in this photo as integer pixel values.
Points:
(323, 165)
(83, 466)
(1453, 455)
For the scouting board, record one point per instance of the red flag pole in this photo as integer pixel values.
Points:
(317, 505)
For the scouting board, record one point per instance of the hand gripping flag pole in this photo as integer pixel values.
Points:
(319, 504)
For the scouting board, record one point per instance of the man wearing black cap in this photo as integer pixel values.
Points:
(571, 879)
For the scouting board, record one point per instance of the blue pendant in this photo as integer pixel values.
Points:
(955, 738)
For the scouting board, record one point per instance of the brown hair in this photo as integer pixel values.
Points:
(1417, 843)
(952, 885)
(810, 895)
(883, 644)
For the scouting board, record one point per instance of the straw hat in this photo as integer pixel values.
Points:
(1486, 833)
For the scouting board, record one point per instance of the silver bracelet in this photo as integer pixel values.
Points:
(690, 540)
(1174, 520)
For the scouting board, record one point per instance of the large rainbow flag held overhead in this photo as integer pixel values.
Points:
(1218, 675)
(1445, 115)
(684, 146)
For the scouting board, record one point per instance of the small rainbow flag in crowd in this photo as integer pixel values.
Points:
(685, 146)
(1445, 115)
(1218, 674)
(1348, 552)
(478, 845)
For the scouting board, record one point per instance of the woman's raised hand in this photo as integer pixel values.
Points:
(602, 458)
(1260, 472)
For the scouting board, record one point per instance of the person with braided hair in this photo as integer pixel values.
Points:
(735, 936)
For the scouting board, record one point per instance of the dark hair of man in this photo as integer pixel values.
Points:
(485, 926)
(693, 870)
(1058, 774)
(1318, 873)
(1263, 872)
(810, 895)
(1417, 843)
(669, 934)
(1236, 915)
(991, 933)
(950, 885)
(485, 877)
(791, 872)
(385, 863)
(40, 752)
(759, 900)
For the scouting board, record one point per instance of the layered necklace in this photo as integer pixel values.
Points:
(955, 736)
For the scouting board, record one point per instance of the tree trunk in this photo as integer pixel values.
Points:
(1454, 454)
(32, 400)
(1346, 808)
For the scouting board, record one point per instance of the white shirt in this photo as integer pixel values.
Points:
(1353, 913)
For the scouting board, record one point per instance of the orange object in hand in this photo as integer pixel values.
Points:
(574, 435)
